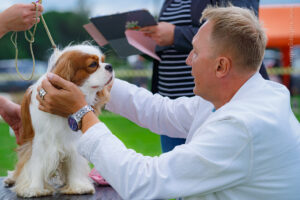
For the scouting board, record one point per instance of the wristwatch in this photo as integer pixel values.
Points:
(74, 120)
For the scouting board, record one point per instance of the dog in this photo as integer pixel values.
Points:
(48, 161)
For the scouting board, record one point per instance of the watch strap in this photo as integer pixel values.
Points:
(81, 112)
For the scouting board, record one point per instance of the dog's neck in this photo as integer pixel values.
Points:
(90, 96)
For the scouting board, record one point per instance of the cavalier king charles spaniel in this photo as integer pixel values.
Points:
(47, 157)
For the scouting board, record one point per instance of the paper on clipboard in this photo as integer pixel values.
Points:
(143, 43)
(93, 31)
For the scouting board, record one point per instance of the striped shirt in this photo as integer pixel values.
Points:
(174, 76)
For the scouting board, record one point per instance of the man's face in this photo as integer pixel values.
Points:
(203, 61)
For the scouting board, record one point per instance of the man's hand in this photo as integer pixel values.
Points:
(19, 17)
(64, 101)
(163, 33)
(11, 113)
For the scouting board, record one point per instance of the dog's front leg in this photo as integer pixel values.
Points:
(76, 170)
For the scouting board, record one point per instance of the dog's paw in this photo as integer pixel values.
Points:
(34, 192)
(9, 182)
(78, 188)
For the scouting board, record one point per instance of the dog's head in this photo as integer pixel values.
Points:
(83, 65)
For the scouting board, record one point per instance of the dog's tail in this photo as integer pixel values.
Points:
(27, 133)
(26, 136)
(24, 153)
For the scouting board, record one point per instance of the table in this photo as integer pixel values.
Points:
(102, 193)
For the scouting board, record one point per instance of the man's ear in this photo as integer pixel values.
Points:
(223, 66)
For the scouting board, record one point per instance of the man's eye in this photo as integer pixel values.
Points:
(94, 64)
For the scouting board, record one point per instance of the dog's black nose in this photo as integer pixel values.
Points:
(109, 68)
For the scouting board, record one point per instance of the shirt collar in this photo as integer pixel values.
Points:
(250, 84)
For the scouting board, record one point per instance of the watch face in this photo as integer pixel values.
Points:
(72, 123)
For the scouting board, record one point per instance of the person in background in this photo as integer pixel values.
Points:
(178, 23)
(19, 17)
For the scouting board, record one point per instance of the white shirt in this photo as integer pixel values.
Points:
(247, 149)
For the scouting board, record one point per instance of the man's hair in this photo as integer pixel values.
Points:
(238, 31)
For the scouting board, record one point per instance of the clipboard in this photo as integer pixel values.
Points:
(110, 29)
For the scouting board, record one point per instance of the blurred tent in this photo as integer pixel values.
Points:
(282, 24)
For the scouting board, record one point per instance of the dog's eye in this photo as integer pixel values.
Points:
(94, 64)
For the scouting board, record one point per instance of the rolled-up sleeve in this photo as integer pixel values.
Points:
(218, 157)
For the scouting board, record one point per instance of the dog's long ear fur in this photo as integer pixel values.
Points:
(103, 97)
(63, 67)
(27, 133)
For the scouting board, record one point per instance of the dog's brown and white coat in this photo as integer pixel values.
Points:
(48, 144)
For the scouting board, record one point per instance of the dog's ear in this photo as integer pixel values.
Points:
(63, 67)
(102, 98)
(53, 59)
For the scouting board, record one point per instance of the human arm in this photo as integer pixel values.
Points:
(167, 34)
(11, 114)
(162, 33)
(19, 17)
(159, 114)
(183, 36)
(216, 159)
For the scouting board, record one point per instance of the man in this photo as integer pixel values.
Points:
(19, 17)
(242, 137)
(178, 24)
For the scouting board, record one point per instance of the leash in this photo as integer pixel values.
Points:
(30, 40)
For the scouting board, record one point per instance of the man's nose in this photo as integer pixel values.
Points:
(188, 60)
(109, 68)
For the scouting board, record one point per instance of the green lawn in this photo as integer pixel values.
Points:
(7, 147)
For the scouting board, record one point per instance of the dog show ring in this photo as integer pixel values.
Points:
(42, 93)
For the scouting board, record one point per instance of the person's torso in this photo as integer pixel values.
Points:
(264, 109)
(174, 76)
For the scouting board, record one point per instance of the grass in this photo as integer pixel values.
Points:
(7, 154)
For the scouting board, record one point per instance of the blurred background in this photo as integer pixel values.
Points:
(65, 19)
